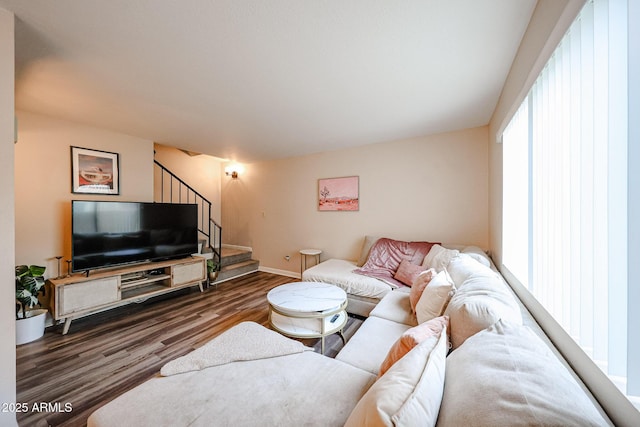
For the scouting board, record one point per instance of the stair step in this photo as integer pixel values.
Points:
(232, 256)
(237, 269)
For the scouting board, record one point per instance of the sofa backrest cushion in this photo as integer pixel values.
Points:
(478, 303)
(409, 393)
(366, 247)
(439, 257)
(505, 376)
(463, 266)
(412, 338)
(477, 254)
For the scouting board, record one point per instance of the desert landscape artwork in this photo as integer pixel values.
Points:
(338, 194)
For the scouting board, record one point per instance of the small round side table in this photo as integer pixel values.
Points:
(304, 253)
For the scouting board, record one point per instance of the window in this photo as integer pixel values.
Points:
(515, 217)
(565, 190)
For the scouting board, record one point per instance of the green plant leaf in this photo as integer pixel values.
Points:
(23, 293)
(29, 283)
(21, 270)
(37, 270)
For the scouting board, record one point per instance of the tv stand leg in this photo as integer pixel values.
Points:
(67, 324)
(200, 286)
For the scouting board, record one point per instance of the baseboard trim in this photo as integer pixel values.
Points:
(234, 277)
(286, 273)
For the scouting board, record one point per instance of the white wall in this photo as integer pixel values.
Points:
(7, 255)
(43, 182)
(430, 188)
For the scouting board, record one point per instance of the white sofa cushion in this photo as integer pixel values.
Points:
(339, 272)
(368, 348)
(439, 257)
(435, 297)
(477, 254)
(395, 306)
(409, 393)
(479, 303)
(275, 391)
(506, 376)
(463, 266)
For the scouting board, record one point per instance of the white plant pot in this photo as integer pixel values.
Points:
(30, 328)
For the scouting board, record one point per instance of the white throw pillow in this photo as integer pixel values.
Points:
(410, 392)
(479, 303)
(435, 297)
(438, 257)
(418, 286)
(507, 376)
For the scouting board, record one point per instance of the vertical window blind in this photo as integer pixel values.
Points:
(565, 189)
(515, 217)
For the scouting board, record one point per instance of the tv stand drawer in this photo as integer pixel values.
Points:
(88, 294)
(188, 273)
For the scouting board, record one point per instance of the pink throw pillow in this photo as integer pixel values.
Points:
(411, 338)
(408, 272)
(419, 283)
(386, 255)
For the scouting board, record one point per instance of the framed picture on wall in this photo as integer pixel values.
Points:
(338, 194)
(94, 171)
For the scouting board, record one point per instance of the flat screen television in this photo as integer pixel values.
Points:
(107, 234)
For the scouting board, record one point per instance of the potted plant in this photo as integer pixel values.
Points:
(29, 322)
(212, 269)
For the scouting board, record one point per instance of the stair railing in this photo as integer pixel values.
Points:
(178, 191)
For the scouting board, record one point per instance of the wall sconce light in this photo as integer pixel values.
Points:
(233, 170)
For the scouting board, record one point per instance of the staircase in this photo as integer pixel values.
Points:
(169, 188)
(231, 262)
(236, 262)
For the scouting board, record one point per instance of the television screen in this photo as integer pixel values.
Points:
(106, 234)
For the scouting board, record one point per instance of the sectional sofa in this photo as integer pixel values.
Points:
(456, 348)
(365, 292)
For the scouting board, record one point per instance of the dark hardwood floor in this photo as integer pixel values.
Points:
(106, 354)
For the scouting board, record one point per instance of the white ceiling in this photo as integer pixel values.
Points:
(259, 79)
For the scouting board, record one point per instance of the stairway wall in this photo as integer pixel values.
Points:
(202, 172)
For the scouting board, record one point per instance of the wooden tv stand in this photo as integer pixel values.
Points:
(78, 295)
